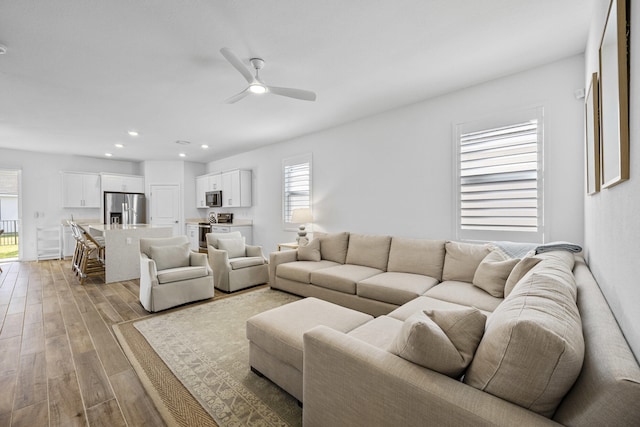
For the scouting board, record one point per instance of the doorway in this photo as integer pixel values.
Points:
(165, 206)
(9, 215)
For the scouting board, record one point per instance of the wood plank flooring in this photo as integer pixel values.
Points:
(60, 364)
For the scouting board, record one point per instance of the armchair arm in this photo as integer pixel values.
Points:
(148, 279)
(350, 382)
(198, 259)
(277, 258)
(252, 250)
(219, 263)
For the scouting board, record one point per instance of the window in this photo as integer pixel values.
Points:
(296, 184)
(500, 179)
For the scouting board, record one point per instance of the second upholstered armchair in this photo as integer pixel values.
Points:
(235, 264)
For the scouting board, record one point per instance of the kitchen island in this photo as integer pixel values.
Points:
(122, 247)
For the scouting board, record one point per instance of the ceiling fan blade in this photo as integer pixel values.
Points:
(237, 63)
(305, 95)
(237, 97)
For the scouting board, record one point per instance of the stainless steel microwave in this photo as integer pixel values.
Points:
(213, 199)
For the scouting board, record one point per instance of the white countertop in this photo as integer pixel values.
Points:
(108, 227)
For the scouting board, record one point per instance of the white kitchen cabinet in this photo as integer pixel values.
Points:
(193, 233)
(122, 183)
(48, 242)
(236, 189)
(80, 190)
(215, 182)
(245, 230)
(202, 182)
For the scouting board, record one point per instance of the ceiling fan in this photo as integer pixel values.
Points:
(256, 85)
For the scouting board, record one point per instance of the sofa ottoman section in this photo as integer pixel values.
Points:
(275, 338)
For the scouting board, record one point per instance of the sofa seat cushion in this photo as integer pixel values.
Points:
(300, 271)
(342, 278)
(395, 288)
(417, 256)
(535, 337)
(423, 303)
(380, 332)
(181, 273)
(464, 293)
(369, 251)
(244, 262)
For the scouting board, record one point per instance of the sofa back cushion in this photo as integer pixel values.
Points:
(369, 251)
(333, 247)
(532, 350)
(417, 256)
(462, 259)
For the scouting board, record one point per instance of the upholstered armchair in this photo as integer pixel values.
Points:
(171, 274)
(235, 264)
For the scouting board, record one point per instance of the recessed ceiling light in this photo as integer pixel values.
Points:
(205, 146)
(3, 49)
(182, 155)
(108, 154)
(133, 133)
(119, 145)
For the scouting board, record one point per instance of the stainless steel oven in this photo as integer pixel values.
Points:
(203, 229)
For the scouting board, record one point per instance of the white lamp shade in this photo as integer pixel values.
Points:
(301, 216)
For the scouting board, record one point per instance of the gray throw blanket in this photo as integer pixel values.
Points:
(558, 246)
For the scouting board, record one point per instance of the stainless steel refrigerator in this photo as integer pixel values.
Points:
(124, 208)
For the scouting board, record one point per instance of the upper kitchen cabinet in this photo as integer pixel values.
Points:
(204, 183)
(123, 183)
(236, 189)
(80, 190)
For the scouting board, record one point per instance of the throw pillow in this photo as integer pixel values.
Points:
(461, 260)
(441, 340)
(310, 251)
(170, 256)
(492, 273)
(234, 247)
(518, 273)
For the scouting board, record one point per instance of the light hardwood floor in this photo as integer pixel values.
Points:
(60, 364)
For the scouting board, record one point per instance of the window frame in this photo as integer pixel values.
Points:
(488, 124)
(291, 161)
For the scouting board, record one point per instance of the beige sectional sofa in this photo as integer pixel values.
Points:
(551, 351)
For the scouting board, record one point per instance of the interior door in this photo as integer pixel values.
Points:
(164, 201)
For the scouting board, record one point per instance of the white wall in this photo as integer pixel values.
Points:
(41, 189)
(612, 229)
(393, 173)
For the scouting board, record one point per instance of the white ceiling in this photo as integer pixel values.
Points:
(78, 75)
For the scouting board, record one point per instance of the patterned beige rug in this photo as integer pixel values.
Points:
(195, 364)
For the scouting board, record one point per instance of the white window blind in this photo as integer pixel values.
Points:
(500, 182)
(296, 180)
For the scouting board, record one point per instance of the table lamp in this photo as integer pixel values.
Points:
(302, 216)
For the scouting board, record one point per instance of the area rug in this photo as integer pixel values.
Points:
(194, 363)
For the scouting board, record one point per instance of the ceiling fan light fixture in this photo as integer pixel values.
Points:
(257, 89)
